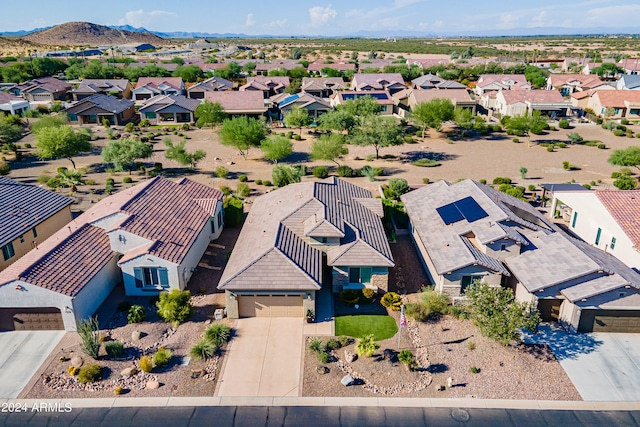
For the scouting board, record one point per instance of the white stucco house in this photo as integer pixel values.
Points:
(149, 237)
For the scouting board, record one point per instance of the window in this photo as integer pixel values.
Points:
(213, 226)
(360, 275)
(150, 115)
(467, 281)
(151, 277)
(22, 238)
(575, 218)
(324, 240)
(35, 233)
(613, 243)
(503, 246)
(8, 252)
(598, 236)
(634, 111)
(220, 219)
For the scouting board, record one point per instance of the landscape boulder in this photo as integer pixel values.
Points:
(350, 356)
(77, 361)
(152, 385)
(347, 380)
(136, 335)
(129, 372)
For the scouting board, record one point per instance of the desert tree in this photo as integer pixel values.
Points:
(432, 114)
(179, 153)
(629, 156)
(122, 153)
(297, 118)
(329, 147)
(62, 142)
(242, 133)
(378, 132)
(276, 148)
(209, 114)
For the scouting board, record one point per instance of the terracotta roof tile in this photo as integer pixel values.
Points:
(624, 207)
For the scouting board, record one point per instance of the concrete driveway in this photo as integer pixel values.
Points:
(21, 354)
(264, 358)
(602, 366)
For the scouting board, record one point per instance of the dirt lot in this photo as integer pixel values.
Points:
(482, 158)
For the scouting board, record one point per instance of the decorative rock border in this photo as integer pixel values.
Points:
(63, 381)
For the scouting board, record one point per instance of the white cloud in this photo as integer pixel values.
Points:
(623, 15)
(321, 15)
(278, 23)
(251, 21)
(141, 18)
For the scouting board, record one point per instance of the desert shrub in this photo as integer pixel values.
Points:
(625, 182)
(175, 306)
(471, 345)
(243, 178)
(114, 349)
(618, 132)
(516, 140)
(267, 183)
(61, 169)
(90, 181)
(368, 293)
(43, 179)
(345, 171)
(89, 332)
(391, 300)
(118, 390)
(146, 364)
(297, 137)
(320, 172)
(136, 314)
(233, 211)
(73, 371)
(366, 346)
(501, 180)
(425, 163)
(129, 127)
(615, 175)
(550, 149)
(110, 181)
(316, 345)
(333, 344)
(563, 124)
(243, 190)
(301, 169)
(27, 145)
(406, 357)
(323, 356)
(602, 146)
(483, 181)
(350, 296)
(185, 126)
(162, 356)
(425, 180)
(153, 173)
(566, 165)
(624, 122)
(127, 180)
(474, 370)
(561, 145)
(258, 182)
(431, 304)
(398, 187)
(226, 190)
(344, 340)
(203, 349)
(89, 374)
(218, 334)
(587, 186)
(144, 123)
(531, 187)
(222, 172)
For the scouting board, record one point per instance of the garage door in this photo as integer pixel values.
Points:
(609, 321)
(270, 305)
(31, 319)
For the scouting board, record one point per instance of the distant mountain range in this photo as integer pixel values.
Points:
(516, 32)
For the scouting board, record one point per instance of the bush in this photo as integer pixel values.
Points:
(531, 187)
(114, 349)
(243, 190)
(368, 293)
(118, 390)
(425, 180)
(316, 345)
(226, 190)
(563, 124)
(474, 370)
(333, 344)
(350, 296)
(218, 334)
(483, 181)
(406, 357)
(144, 123)
(431, 304)
(320, 172)
(345, 171)
(233, 211)
(136, 314)
(302, 169)
(89, 374)
(146, 364)
(516, 140)
(258, 182)
(624, 122)
(89, 332)
(391, 300)
(425, 163)
(222, 172)
(267, 183)
(551, 149)
(43, 179)
(501, 180)
(471, 345)
(175, 306)
(625, 182)
(602, 146)
(110, 181)
(366, 346)
(162, 356)
(398, 187)
(153, 173)
(344, 340)
(90, 182)
(323, 356)
(73, 371)
(561, 145)
(243, 178)
(618, 132)
(203, 349)
(127, 180)
(566, 165)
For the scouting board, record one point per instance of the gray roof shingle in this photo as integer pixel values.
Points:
(105, 102)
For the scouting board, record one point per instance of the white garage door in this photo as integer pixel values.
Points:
(270, 305)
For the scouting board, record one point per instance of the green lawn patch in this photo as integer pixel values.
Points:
(382, 327)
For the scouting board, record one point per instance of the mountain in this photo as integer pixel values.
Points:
(86, 33)
(21, 33)
(131, 28)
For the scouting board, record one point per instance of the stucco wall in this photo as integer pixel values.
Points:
(44, 230)
(191, 260)
(430, 269)
(451, 283)
(122, 241)
(147, 261)
(35, 296)
(97, 290)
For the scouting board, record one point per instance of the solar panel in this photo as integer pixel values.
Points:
(470, 209)
(379, 96)
(449, 213)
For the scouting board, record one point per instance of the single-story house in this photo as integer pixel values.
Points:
(165, 109)
(120, 88)
(518, 102)
(460, 98)
(148, 87)
(630, 65)
(149, 237)
(431, 81)
(314, 105)
(467, 232)
(269, 85)
(94, 109)
(28, 215)
(322, 87)
(566, 84)
(262, 69)
(429, 62)
(606, 219)
(496, 82)
(239, 103)
(213, 84)
(43, 89)
(294, 237)
(11, 104)
(381, 97)
(391, 82)
(616, 104)
(628, 82)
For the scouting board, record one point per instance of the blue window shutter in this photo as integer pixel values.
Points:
(365, 275)
(164, 277)
(138, 274)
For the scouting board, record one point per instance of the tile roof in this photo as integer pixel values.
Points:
(455, 95)
(7, 97)
(50, 84)
(161, 102)
(155, 82)
(487, 79)
(631, 81)
(376, 81)
(238, 101)
(427, 80)
(101, 85)
(632, 64)
(340, 66)
(274, 234)
(24, 206)
(322, 83)
(624, 207)
(168, 214)
(585, 81)
(102, 101)
(532, 96)
(266, 82)
(617, 98)
(212, 84)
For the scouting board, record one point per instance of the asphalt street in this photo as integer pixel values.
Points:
(316, 416)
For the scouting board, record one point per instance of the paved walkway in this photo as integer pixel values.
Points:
(21, 354)
(323, 325)
(602, 366)
(264, 358)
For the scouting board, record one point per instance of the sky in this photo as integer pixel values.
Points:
(312, 17)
